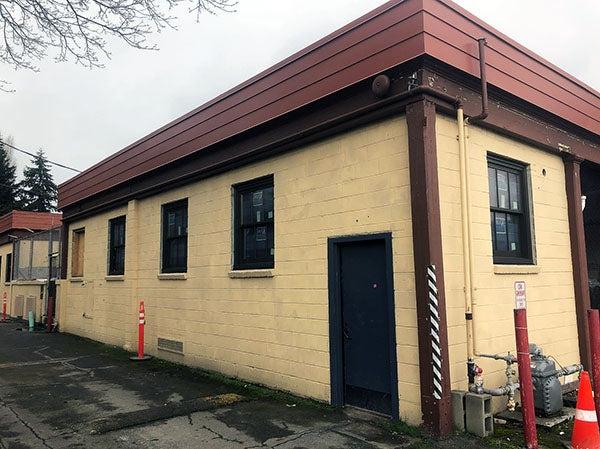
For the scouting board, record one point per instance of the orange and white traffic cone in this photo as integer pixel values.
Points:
(585, 430)
(4, 300)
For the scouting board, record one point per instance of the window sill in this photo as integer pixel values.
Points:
(114, 278)
(76, 279)
(172, 276)
(28, 282)
(516, 269)
(251, 274)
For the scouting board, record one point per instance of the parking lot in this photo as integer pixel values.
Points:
(61, 391)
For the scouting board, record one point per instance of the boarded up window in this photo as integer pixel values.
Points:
(78, 252)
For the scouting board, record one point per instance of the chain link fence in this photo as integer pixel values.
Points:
(37, 257)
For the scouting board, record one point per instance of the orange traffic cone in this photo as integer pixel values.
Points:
(585, 429)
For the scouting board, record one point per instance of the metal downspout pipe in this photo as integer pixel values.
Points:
(481, 42)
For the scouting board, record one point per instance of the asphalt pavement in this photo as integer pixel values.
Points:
(62, 391)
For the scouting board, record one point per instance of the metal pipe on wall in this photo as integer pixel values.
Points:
(465, 206)
(506, 390)
(484, 89)
(465, 193)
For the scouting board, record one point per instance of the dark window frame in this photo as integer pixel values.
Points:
(116, 267)
(521, 171)
(238, 191)
(8, 268)
(166, 267)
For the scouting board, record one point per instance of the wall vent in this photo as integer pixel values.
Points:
(18, 306)
(165, 344)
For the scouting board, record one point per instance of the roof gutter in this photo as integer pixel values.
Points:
(484, 89)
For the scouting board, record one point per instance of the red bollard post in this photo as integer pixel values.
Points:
(525, 380)
(594, 326)
(141, 323)
(50, 315)
(4, 307)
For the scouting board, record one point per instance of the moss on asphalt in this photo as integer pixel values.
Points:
(169, 368)
(401, 428)
(511, 436)
(506, 436)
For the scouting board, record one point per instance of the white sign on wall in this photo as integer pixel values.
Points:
(520, 296)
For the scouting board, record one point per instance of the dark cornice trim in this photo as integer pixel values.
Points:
(342, 111)
(510, 115)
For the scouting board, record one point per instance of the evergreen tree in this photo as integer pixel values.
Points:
(8, 181)
(38, 190)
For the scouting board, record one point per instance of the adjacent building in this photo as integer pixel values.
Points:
(349, 224)
(29, 242)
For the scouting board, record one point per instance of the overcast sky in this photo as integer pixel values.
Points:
(80, 116)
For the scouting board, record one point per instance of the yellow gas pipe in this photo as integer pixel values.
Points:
(465, 205)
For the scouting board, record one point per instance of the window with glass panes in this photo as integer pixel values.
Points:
(116, 246)
(254, 219)
(174, 237)
(509, 211)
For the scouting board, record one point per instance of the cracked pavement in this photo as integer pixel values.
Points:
(53, 387)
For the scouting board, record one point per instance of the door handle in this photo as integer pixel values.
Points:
(345, 331)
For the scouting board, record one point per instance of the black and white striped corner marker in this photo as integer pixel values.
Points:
(434, 318)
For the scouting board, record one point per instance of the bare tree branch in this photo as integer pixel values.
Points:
(31, 30)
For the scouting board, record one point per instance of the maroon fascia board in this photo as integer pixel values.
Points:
(450, 36)
(35, 221)
(334, 63)
(396, 32)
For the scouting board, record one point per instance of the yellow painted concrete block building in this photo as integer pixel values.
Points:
(549, 278)
(269, 326)
(335, 228)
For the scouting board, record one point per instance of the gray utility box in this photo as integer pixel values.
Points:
(547, 391)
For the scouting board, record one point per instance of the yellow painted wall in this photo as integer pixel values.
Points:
(28, 289)
(271, 330)
(4, 286)
(550, 295)
(98, 307)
